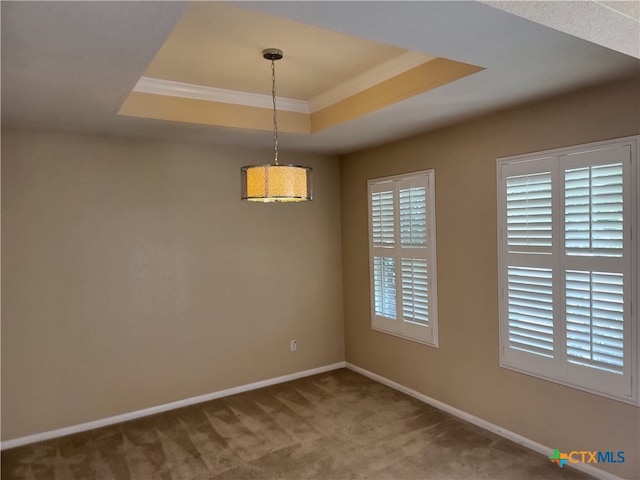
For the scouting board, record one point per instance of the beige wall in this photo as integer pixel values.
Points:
(464, 371)
(133, 275)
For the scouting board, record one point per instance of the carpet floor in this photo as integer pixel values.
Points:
(336, 425)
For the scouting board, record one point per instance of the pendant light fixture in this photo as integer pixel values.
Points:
(275, 182)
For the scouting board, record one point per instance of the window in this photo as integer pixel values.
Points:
(402, 253)
(566, 266)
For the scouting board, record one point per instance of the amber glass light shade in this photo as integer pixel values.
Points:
(276, 183)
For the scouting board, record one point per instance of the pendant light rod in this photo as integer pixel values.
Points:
(274, 54)
(274, 182)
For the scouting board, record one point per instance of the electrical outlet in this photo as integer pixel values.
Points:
(293, 345)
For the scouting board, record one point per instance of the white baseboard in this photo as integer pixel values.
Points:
(61, 432)
(509, 435)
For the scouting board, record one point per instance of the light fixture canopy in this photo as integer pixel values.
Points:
(275, 182)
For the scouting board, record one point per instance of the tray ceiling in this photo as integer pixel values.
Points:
(72, 66)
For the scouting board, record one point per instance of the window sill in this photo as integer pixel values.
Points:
(429, 343)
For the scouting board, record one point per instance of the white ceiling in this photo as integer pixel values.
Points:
(69, 66)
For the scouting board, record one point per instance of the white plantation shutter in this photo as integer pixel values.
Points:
(413, 216)
(384, 280)
(596, 268)
(384, 268)
(415, 291)
(383, 239)
(530, 304)
(402, 255)
(595, 320)
(382, 218)
(593, 210)
(529, 210)
(412, 203)
(528, 331)
(566, 264)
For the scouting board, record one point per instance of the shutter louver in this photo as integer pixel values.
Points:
(567, 266)
(415, 291)
(413, 217)
(402, 256)
(593, 211)
(382, 218)
(529, 210)
(530, 310)
(384, 284)
(595, 320)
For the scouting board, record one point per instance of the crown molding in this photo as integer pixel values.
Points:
(384, 71)
(170, 88)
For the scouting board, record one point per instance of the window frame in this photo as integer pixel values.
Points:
(559, 370)
(427, 335)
